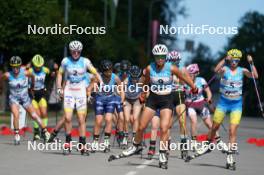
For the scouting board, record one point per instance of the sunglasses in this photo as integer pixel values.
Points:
(157, 57)
(235, 61)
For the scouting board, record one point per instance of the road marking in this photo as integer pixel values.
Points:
(131, 173)
(144, 164)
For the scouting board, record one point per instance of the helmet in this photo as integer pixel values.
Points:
(135, 72)
(38, 61)
(193, 69)
(160, 49)
(117, 67)
(15, 61)
(234, 53)
(125, 65)
(106, 65)
(174, 57)
(76, 45)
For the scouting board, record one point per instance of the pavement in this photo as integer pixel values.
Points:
(20, 160)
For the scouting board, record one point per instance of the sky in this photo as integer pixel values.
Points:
(224, 13)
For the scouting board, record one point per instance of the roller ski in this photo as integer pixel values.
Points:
(67, 148)
(199, 152)
(17, 139)
(230, 164)
(132, 150)
(163, 160)
(184, 150)
(107, 146)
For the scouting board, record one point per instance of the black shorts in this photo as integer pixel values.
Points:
(178, 98)
(160, 102)
(39, 94)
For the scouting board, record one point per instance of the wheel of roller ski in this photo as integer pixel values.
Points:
(112, 157)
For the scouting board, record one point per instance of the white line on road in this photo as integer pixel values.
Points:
(131, 173)
(144, 164)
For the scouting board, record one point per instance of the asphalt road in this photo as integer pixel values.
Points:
(20, 160)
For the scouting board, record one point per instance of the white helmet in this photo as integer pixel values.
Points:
(76, 45)
(160, 49)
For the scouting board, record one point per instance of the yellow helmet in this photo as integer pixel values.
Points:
(38, 61)
(235, 54)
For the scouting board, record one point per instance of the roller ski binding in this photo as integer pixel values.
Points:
(45, 134)
(132, 150)
(199, 152)
(163, 160)
(230, 164)
(184, 150)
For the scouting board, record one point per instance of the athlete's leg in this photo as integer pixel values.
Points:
(15, 111)
(165, 115)
(137, 107)
(43, 110)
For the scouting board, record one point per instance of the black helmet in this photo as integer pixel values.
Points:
(117, 67)
(135, 72)
(125, 65)
(106, 65)
(15, 61)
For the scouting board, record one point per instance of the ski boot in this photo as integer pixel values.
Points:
(230, 164)
(67, 147)
(53, 135)
(17, 139)
(132, 150)
(163, 160)
(95, 146)
(151, 152)
(107, 145)
(46, 135)
(36, 135)
(183, 148)
(221, 145)
(82, 146)
(201, 151)
(124, 143)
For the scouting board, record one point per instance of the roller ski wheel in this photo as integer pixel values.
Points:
(116, 157)
(163, 165)
(196, 155)
(231, 166)
(107, 150)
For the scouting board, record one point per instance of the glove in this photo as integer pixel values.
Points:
(60, 92)
(89, 99)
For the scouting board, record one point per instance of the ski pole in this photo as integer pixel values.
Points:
(256, 89)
